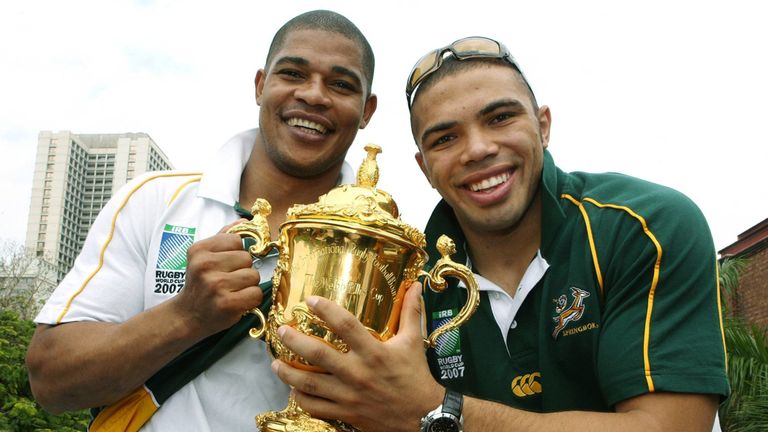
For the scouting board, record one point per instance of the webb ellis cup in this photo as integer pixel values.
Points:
(352, 248)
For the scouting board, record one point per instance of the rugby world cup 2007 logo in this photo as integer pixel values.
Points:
(171, 267)
(448, 347)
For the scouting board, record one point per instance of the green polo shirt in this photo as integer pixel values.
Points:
(628, 305)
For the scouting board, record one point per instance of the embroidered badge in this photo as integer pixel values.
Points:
(569, 313)
(526, 385)
(448, 347)
(171, 265)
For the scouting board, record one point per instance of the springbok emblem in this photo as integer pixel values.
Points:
(572, 312)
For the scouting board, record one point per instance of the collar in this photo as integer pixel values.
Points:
(221, 178)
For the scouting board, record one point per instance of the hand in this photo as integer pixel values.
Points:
(220, 283)
(375, 386)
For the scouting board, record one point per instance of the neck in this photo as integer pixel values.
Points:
(262, 179)
(503, 256)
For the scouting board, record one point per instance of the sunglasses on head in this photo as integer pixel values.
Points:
(462, 49)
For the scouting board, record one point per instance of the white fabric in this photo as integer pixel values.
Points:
(240, 385)
(504, 306)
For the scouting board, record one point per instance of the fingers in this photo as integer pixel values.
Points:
(311, 383)
(222, 252)
(342, 322)
(227, 227)
(314, 350)
(246, 298)
(224, 242)
(410, 318)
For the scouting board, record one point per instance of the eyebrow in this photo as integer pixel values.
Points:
(341, 70)
(437, 128)
(489, 108)
(501, 103)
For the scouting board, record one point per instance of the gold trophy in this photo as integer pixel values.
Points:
(352, 248)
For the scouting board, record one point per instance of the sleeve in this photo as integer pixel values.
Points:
(662, 328)
(106, 282)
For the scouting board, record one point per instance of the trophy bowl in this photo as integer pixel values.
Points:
(352, 248)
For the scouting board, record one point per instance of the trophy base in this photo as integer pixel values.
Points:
(294, 419)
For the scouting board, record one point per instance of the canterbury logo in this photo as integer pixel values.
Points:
(572, 312)
(526, 385)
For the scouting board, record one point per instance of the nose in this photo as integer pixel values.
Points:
(478, 147)
(313, 92)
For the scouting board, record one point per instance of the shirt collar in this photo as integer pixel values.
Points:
(221, 178)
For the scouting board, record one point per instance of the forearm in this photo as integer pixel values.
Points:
(647, 413)
(86, 364)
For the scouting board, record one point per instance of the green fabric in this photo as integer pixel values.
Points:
(202, 355)
(199, 357)
(598, 360)
(242, 212)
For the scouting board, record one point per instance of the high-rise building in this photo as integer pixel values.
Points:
(75, 175)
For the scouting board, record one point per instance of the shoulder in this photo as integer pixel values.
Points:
(156, 184)
(626, 206)
(631, 194)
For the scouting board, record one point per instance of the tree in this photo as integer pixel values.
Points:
(26, 280)
(18, 410)
(746, 410)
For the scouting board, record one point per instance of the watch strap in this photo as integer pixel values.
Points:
(453, 402)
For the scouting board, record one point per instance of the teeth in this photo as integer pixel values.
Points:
(489, 182)
(307, 125)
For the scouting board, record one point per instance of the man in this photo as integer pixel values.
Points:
(599, 306)
(150, 327)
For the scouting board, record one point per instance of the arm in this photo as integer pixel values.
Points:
(387, 386)
(113, 359)
(649, 413)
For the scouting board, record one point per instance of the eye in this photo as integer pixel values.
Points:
(442, 140)
(290, 73)
(344, 85)
(500, 117)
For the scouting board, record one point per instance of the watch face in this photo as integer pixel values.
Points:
(444, 424)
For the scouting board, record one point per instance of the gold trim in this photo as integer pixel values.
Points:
(720, 313)
(654, 283)
(182, 187)
(592, 247)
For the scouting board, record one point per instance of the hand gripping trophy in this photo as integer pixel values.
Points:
(352, 248)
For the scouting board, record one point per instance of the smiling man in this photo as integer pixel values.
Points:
(148, 326)
(599, 298)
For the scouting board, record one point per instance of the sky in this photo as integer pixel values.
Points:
(673, 92)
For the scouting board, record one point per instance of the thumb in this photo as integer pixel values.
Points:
(410, 317)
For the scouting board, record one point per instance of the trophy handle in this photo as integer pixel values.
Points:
(257, 229)
(445, 266)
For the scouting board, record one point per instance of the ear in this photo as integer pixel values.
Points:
(368, 110)
(261, 76)
(424, 170)
(545, 122)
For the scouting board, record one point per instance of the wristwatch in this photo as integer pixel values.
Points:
(447, 417)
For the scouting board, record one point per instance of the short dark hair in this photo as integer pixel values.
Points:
(451, 66)
(328, 21)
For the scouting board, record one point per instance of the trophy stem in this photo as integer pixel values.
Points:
(295, 419)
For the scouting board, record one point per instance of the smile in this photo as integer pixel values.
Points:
(489, 182)
(308, 125)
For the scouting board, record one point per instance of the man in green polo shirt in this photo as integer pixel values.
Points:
(599, 305)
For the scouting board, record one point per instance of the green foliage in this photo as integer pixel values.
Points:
(730, 270)
(746, 410)
(18, 409)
